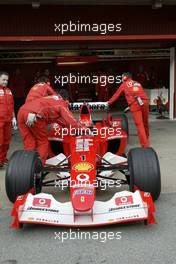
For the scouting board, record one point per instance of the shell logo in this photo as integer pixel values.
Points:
(83, 166)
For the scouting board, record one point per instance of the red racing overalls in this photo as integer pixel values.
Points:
(140, 113)
(6, 115)
(49, 110)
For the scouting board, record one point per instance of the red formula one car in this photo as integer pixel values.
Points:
(84, 159)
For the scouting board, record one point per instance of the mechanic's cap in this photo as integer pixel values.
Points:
(126, 76)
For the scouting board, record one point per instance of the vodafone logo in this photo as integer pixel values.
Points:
(82, 177)
(124, 200)
(42, 202)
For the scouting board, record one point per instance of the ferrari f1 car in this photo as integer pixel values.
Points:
(84, 159)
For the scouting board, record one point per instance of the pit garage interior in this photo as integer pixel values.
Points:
(32, 45)
(148, 38)
(110, 60)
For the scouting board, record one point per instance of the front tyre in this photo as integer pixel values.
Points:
(144, 171)
(24, 172)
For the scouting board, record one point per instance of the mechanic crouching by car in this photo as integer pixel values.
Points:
(7, 117)
(40, 89)
(33, 118)
(138, 104)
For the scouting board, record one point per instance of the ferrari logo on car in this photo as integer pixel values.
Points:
(83, 166)
(82, 199)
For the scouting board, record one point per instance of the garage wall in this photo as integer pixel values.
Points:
(161, 68)
(23, 20)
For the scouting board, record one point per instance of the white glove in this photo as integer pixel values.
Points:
(106, 106)
(31, 119)
(126, 109)
(14, 123)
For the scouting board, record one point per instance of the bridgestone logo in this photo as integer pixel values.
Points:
(124, 207)
(42, 209)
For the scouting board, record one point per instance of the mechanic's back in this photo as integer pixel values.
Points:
(41, 89)
(50, 108)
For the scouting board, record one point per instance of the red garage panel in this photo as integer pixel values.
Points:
(40, 22)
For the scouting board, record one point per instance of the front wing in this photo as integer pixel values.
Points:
(42, 208)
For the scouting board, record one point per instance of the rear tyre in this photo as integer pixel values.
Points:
(144, 171)
(24, 172)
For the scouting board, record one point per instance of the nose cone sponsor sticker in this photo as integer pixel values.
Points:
(124, 200)
(42, 202)
(83, 166)
(83, 192)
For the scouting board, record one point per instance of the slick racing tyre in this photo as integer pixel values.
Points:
(24, 172)
(144, 171)
(124, 119)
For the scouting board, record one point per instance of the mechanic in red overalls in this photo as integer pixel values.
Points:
(7, 117)
(138, 103)
(33, 118)
(41, 89)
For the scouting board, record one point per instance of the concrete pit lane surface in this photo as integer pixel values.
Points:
(123, 243)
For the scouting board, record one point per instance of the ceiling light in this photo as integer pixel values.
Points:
(35, 5)
(75, 60)
(157, 4)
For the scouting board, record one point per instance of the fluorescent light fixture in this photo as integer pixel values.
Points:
(35, 5)
(75, 60)
(72, 63)
(157, 4)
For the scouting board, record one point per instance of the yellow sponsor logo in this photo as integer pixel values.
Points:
(135, 88)
(83, 166)
(35, 87)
